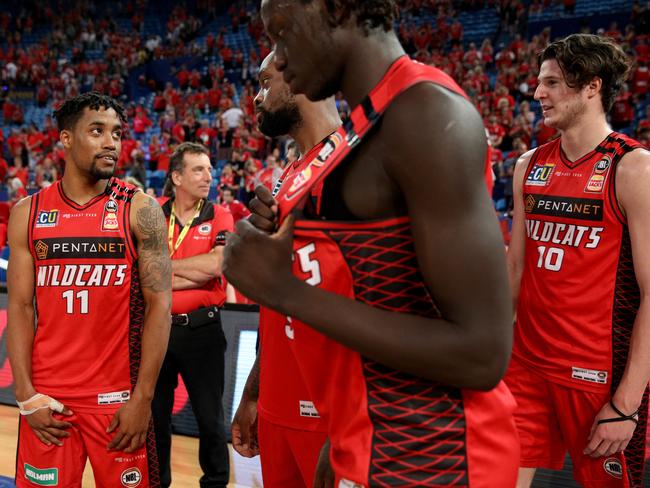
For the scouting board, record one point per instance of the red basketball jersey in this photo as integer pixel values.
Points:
(579, 295)
(387, 427)
(89, 305)
(283, 396)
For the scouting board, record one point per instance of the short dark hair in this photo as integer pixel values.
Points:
(176, 162)
(230, 189)
(583, 57)
(370, 14)
(71, 110)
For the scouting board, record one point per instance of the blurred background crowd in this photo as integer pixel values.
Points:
(187, 71)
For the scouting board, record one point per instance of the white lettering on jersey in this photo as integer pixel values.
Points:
(81, 275)
(564, 234)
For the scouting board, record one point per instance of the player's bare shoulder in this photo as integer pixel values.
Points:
(634, 164)
(19, 218)
(633, 179)
(434, 133)
(524, 160)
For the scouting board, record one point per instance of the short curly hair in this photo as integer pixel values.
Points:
(71, 110)
(370, 14)
(583, 57)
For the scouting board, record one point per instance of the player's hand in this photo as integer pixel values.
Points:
(244, 428)
(608, 438)
(258, 264)
(324, 474)
(132, 422)
(264, 210)
(47, 428)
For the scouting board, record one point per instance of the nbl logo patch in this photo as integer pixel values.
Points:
(598, 176)
(47, 218)
(131, 477)
(540, 175)
(613, 467)
(109, 219)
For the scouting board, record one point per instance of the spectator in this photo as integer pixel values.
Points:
(622, 112)
(237, 209)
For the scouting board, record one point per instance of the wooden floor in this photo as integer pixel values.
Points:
(185, 466)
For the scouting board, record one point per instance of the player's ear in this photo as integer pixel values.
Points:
(595, 86)
(65, 136)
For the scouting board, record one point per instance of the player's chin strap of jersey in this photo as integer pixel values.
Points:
(621, 416)
(38, 402)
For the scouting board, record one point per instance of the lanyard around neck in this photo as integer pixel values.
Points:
(186, 228)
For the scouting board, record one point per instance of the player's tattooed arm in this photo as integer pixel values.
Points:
(155, 264)
(130, 423)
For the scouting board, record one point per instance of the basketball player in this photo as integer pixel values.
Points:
(578, 259)
(89, 252)
(195, 237)
(397, 291)
(291, 433)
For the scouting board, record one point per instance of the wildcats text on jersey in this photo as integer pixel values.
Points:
(81, 275)
(567, 207)
(564, 234)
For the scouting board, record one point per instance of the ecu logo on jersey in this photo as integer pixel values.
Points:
(540, 174)
(47, 218)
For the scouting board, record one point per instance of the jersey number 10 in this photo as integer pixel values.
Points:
(550, 258)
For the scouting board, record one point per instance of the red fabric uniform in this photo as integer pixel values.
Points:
(287, 414)
(570, 330)
(87, 345)
(212, 220)
(383, 422)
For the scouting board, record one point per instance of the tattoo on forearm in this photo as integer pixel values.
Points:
(155, 264)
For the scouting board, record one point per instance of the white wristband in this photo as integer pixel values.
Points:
(38, 402)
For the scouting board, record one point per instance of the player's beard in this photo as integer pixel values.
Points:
(280, 122)
(101, 174)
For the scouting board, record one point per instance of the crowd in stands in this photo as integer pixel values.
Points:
(85, 48)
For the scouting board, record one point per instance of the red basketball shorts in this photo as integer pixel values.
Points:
(41, 465)
(288, 456)
(553, 419)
